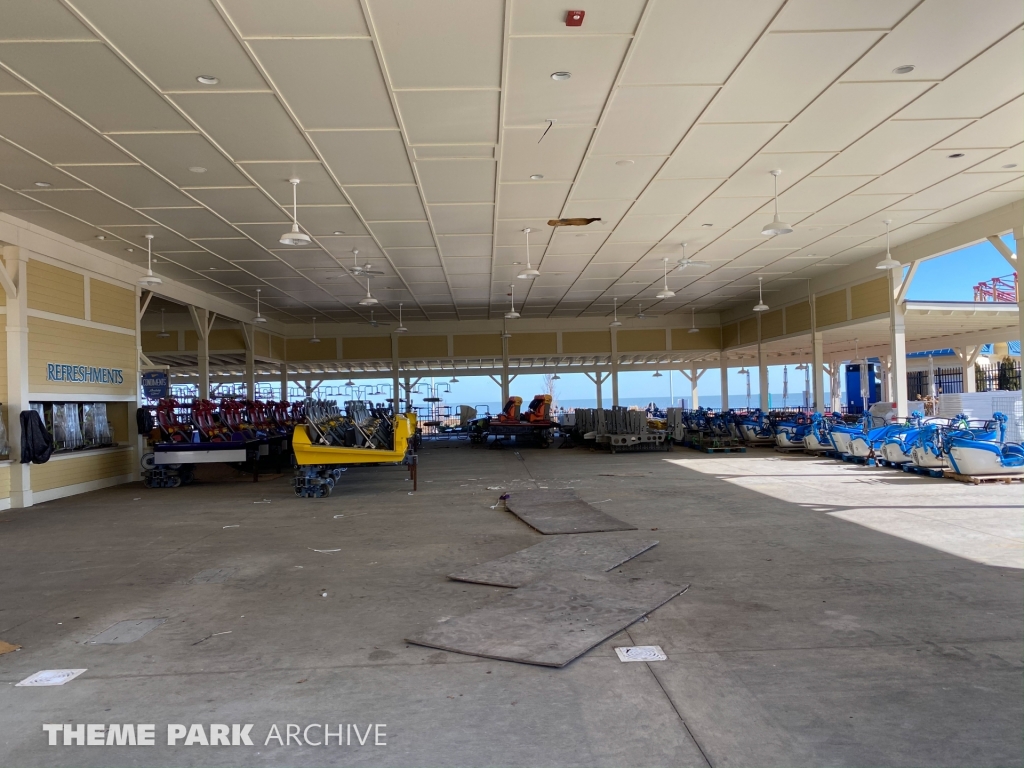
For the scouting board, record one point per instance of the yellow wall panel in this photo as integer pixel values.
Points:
(641, 340)
(51, 341)
(227, 338)
(533, 344)
(82, 469)
(277, 347)
(366, 348)
(191, 341)
(730, 335)
(151, 342)
(830, 308)
(423, 346)
(52, 289)
(705, 338)
(111, 304)
(262, 344)
(301, 349)
(748, 331)
(586, 342)
(771, 324)
(5, 482)
(117, 417)
(798, 317)
(477, 345)
(871, 298)
(3, 361)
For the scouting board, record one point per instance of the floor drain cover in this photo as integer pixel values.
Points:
(50, 677)
(641, 653)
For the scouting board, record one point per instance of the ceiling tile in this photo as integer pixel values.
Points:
(621, 252)
(1002, 128)
(533, 96)
(12, 201)
(693, 42)
(192, 222)
(316, 186)
(163, 239)
(59, 223)
(966, 30)
(557, 157)
(813, 15)
(414, 257)
(174, 154)
(604, 17)
(343, 246)
(784, 73)
(968, 209)
(650, 120)
(986, 83)
(353, 102)
(510, 231)
(309, 18)
(997, 163)
(542, 200)
(755, 179)
(463, 219)
(236, 249)
(249, 126)
(888, 145)
(470, 266)
(65, 140)
(423, 274)
(924, 170)
(365, 157)
(435, 151)
(403, 233)
(603, 177)
(246, 204)
(9, 84)
(674, 196)
(722, 212)
(643, 229)
(812, 193)
(268, 269)
(457, 181)
(387, 203)
(69, 72)
(320, 220)
(572, 264)
(851, 209)
(19, 170)
(610, 212)
(717, 150)
(955, 190)
(449, 117)
(199, 260)
(133, 185)
(566, 241)
(465, 245)
(41, 20)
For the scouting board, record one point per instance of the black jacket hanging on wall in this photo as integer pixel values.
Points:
(36, 442)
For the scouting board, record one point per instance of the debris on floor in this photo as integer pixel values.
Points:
(126, 632)
(8, 647)
(561, 511)
(641, 653)
(49, 677)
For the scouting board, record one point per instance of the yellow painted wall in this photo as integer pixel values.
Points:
(871, 298)
(366, 348)
(476, 345)
(52, 289)
(5, 479)
(641, 340)
(771, 324)
(3, 361)
(277, 348)
(262, 344)
(423, 346)
(151, 342)
(830, 308)
(586, 342)
(704, 338)
(82, 469)
(748, 331)
(533, 344)
(111, 304)
(730, 335)
(191, 342)
(118, 415)
(798, 317)
(51, 341)
(301, 349)
(227, 338)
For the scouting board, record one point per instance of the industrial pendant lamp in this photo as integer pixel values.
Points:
(149, 279)
(665, 292)
(350, 383)
(657, 375)
(693, 321)
(778, 226)
(888, 262)
(857, 359)
(314, 340)
(401, 326)
(529, 273)
(295, 237)
(556, 377)
(368, 301)
(512, 314)
(760, 306)
(259, 318)
(163, 331)
(453, 380)
(615, 323)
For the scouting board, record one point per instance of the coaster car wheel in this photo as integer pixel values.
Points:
(148, 461)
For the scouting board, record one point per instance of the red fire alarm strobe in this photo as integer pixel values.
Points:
(574, 18)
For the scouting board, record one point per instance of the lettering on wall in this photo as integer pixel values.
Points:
(84, 374)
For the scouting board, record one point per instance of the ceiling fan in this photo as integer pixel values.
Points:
(360, 270)
(640, 312)
(374, 322)
(686, 261)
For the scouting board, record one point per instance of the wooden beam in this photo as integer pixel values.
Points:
(1004, 250)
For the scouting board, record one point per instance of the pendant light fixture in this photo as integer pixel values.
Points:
(556, 377)
(295, 237)
(512, 314)
(148, 280)
(888, 262)
(760, 306)
(314, 340)
(401, 326)
(350, 383)
(665, 292)
(778, 226)
(657, 375)
(259, 318)
(529, 273)
(163, 331)
(615, 323)
(453, 380)
(857, 359)
(693, 321)
(368, 301)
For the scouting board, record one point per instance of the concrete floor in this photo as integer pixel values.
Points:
(805, 638)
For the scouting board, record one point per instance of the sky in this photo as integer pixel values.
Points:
(952, 277)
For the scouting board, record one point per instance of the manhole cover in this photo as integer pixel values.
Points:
(50, 677)
(641, 653)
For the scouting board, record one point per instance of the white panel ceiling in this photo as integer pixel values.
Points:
(650, 120)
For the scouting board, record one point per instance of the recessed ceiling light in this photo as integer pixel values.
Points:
(537, 176)
(955, 155)
(207, 80)
(130, 250)
(339, 232)
(516, 263)
(707, 225)
(1010, 165)
(43, 184)
(197, 169)
(904, 69)
(101, 237)
(623, 162)
(561, 75)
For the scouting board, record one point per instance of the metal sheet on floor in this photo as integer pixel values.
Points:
(584, 552)
(561, 511)
(552, 620)
(126, 632)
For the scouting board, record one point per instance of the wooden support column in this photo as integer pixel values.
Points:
(723, 363)
(762, 369)
(248, 332)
